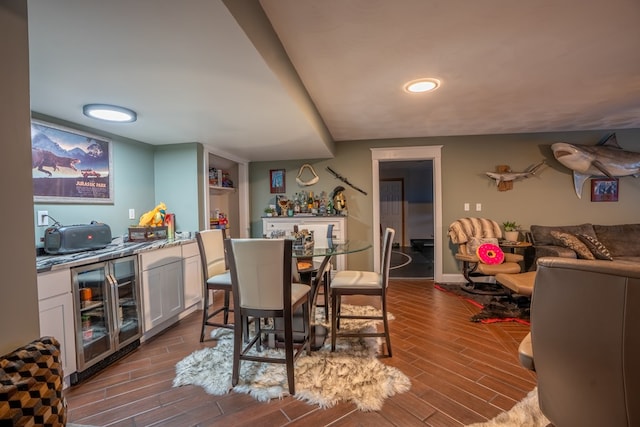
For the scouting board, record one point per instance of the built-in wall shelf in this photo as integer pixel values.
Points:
(216, 189)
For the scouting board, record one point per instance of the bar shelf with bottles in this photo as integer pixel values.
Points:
(305, 203)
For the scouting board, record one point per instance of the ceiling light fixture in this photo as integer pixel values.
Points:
(109, 113)
(422, 85)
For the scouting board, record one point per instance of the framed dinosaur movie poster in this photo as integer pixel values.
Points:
(70, 166)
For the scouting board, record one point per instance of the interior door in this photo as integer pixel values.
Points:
(392, 207)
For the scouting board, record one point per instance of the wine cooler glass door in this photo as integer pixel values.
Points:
(93, 316)
(126, 299)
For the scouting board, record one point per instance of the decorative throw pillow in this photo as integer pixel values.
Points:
(488, 253)
(598, 250)
(570, 241)
(474, 243)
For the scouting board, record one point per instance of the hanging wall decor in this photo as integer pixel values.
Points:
(313, 180)
(277, 182)
(69, 166)
(606, 158)
(345, 180)
(604, 190)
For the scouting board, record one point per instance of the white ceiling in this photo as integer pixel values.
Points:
(211, 71)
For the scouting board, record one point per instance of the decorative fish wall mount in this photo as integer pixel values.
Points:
(606, 158)
(509, 176)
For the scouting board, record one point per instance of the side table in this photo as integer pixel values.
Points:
(513, 247)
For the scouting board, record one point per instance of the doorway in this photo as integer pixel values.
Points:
(406, 204)
(401, 154)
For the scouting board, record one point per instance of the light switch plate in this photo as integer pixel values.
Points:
(43, 218)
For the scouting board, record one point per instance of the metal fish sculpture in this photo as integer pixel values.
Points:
(515, 176)
(606, 158)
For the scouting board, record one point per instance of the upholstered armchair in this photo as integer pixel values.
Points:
(584, 343)
(471, 233)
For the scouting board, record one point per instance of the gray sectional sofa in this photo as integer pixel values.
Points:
(622, 241)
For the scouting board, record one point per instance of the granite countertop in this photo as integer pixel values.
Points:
(117, 249)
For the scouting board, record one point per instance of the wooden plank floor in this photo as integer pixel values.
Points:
(461, 372)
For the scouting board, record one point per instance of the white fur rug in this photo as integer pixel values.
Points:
(525, 413)
(352, 373)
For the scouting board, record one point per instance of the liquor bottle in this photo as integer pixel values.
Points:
(310, 202)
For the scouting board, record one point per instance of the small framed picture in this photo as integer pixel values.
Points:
(276, 180)
(604, 190)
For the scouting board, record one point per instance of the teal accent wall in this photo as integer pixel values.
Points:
(133, 187)
(178, 182)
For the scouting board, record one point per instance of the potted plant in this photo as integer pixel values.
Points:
(269, 211)
(511, 231)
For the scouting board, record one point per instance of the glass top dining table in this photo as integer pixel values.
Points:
(347, 247)
(319, 332)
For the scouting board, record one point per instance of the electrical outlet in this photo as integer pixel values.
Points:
(43, 218)
(132, 214)
(478, 207)
(466, 206)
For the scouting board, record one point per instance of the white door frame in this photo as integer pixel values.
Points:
(427, 152)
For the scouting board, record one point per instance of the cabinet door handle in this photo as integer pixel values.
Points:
(113, 284)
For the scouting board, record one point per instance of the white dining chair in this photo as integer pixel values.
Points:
(216, 277)
(351, 282)
(261, 278)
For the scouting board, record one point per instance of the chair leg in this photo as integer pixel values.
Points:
(289, 353)
(226, 307)
(334, 318)
(326, 283)
(386, 325)
(205, 313)
(237, 348)
(308, 328)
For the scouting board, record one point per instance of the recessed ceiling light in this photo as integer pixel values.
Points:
(109, 113)
(422, 85)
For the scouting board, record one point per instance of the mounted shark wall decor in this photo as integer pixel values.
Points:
(504, 176)
(606, 158)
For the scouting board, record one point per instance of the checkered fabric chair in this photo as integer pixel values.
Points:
(31, 382)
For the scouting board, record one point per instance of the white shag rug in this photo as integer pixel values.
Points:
(525, 413)
(352, 373)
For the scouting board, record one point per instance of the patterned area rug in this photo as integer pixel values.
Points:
(524, 413)
(352, 373)
(492, 308)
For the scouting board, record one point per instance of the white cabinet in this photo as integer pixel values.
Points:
(277, 225)
(162, 287)
(191, 274)
(55, 303)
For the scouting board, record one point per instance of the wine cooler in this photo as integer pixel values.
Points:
(107, 313)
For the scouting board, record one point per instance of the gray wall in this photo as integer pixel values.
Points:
(548, 198)
(19, 313)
